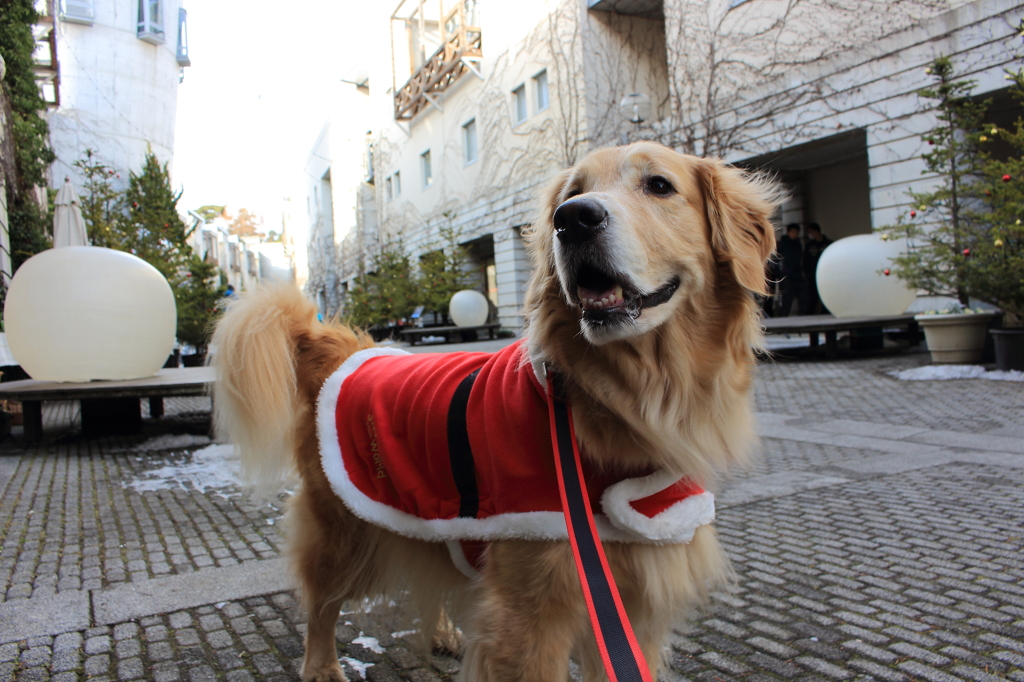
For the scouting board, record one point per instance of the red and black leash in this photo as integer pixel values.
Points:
(623, 660)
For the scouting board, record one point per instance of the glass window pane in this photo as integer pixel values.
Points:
(469, 135)
(428, 173)
(541, 81)
(519, 94)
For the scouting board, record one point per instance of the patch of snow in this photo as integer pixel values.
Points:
(214, 467)
(168, 441)
(172, 442)
(403, 633)
(784, 341)
(948, 372)
(370, 643)
(358, 666)
(365, 606)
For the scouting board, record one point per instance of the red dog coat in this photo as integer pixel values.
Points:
(405, 448)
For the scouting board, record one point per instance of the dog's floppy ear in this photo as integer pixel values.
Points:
(739, 209)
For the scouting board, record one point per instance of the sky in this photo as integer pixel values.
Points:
(257, 95)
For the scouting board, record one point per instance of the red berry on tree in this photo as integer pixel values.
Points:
(913, 214)
(886, 272)
(1006, 178)
(967, 252)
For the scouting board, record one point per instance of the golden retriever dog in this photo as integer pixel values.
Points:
(644, 262)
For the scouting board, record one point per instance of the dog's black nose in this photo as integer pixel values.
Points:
(579, 220)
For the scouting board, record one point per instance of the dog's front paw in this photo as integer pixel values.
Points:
(326, 673)
(448, 638)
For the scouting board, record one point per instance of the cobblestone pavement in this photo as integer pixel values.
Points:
(879, 536)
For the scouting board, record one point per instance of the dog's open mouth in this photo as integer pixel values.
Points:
(601, 296)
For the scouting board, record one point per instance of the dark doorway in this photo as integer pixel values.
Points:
(828, 181)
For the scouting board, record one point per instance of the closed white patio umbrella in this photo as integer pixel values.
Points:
(68, 223)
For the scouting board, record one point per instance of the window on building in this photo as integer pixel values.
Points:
(151, 22)
(369, 162)
(183, 59)
(428, 173)
(77, 11)
(469, 141)
(398, 184)
(387, 188)
(540, 83)
(519, 100)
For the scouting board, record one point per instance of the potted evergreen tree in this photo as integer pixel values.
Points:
(443, 271)
(381, 299)
(198, 296)
(945, 226)
(995, 273)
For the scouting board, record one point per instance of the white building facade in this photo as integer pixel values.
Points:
(118, 66)
(474, 105)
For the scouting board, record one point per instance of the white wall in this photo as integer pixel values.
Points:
(118, 93)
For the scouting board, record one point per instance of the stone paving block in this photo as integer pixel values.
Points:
(871, 651)
(876, 671)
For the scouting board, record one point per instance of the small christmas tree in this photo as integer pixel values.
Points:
(102, 204)
(995, 272)
(387, 293)
(198, 296)
(944, 226)
(443, 271)
(153, 230)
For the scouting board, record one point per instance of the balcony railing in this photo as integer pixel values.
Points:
(461, 48)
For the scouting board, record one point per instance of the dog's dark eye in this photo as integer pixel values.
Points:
(659, 185)
(575, 191)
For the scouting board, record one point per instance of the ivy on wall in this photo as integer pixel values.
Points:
(28, 131)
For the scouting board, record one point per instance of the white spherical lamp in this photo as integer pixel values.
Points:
(81, 313)
(855, 277)
(468, 308)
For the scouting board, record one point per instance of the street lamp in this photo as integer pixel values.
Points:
(636, 107)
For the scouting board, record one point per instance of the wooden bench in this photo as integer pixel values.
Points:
(103, 401)
(417, 334)
(831, 325)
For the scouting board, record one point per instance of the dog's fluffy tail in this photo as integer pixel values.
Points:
(257, 400)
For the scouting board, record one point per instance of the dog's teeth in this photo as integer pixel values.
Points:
(617, 292)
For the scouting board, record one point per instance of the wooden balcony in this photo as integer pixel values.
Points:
(462, 47)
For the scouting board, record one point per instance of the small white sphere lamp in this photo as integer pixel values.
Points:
(468, 308)
(81, 313)
(855, 277)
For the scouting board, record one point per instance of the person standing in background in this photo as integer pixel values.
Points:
(816, 243)
(790, 269)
